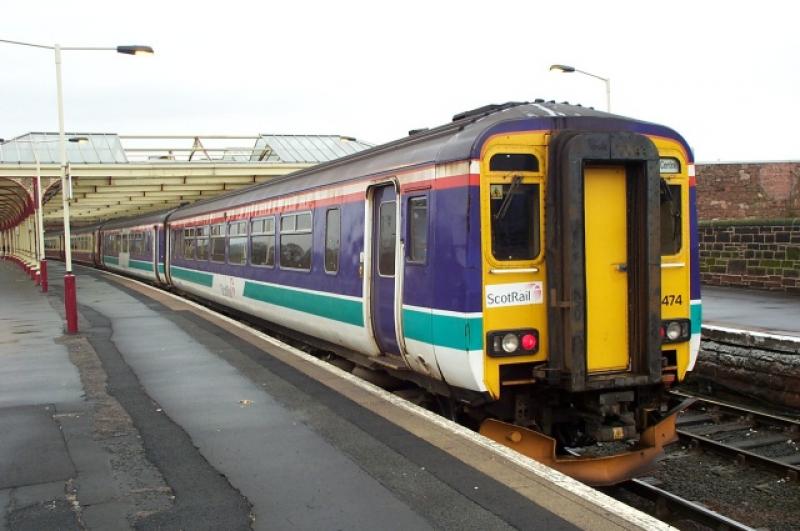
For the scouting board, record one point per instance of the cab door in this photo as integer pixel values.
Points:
(606, 248)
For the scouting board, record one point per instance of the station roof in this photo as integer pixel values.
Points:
(122, 175)
(306, 148)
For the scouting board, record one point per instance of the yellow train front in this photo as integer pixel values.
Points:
(591, 305)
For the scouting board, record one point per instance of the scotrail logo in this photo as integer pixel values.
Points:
(519, 294)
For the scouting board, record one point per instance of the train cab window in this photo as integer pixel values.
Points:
(262, 242)
(387, 238)
(201, 243)
(671, 226)
(218, 243)
(513, 162)
(295, 244)
(417, 230)
(333, 236)
(515, 220)
(237, 242)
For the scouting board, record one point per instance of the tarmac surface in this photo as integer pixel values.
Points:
(154, 417)
(760, 311)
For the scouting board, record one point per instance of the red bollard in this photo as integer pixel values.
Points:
(37, 278)
(43, 273)
(71, 303)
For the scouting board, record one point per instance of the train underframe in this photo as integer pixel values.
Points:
(601, 437)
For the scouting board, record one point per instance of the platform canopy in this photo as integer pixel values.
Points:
(121, 175)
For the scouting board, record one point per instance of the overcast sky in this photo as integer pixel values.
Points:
(726, 75)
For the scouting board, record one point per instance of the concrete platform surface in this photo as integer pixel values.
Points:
(160, 414)
(759, 311)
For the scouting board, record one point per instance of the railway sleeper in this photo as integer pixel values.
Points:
(722, 428)
(759, 442)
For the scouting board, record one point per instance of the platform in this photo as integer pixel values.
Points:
(161, 414)
(752, 310)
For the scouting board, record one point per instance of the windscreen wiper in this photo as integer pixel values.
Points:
(501, 212)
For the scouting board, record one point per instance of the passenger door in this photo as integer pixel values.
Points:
(383, 261)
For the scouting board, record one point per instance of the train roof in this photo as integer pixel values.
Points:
(84, 229)
(460, 139)
(144, 219)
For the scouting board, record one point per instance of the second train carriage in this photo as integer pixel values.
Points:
(136, 246)
(85, 244)
(535, 262)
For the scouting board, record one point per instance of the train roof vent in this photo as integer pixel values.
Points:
(413, 132)
(486, 110)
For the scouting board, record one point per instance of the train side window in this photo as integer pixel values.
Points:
(515, 220)
(387, 238)
(671, 219)
(218, 243)
(513, 162)
(262, 242)
(177, 243)
(417, 230)
(189, 243)
(201, 243)
(333, 237)
(135, 243)
(296, 239)
(237, 242)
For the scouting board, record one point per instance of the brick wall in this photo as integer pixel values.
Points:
(762, 254)
(767, 190)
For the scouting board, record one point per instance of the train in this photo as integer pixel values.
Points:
(533, 265)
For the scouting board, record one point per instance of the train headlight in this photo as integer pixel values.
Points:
(510, 343)
(675, 330)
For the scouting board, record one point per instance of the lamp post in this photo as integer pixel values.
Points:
(570, 69)
(70, 298)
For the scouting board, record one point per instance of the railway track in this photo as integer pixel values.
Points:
(747, 435)
(669, 506)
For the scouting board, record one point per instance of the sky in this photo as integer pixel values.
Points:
(726, 75)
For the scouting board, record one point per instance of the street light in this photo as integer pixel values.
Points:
(570, 69)
(39, 215)
(70, 298)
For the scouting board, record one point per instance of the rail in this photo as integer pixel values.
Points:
(700, 428)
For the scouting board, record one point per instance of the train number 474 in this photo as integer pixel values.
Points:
(670, 300)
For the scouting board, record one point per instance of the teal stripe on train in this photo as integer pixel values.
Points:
(319, 304)
(132, 264)
(196, 277)
(161, 267)
(697, 317)
(139, 264)
(460, 333)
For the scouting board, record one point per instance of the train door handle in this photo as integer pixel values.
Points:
(622, 268)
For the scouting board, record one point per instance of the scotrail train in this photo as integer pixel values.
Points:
(533, 264)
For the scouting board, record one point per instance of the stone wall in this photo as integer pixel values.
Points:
(762, 254)
(750, 364)
(766, 190)
(750, 224)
